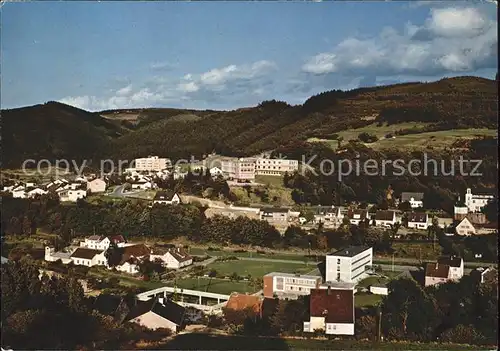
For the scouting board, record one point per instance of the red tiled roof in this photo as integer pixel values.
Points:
(437, 270)
(337, 306)
(240, 302)
(117, 239)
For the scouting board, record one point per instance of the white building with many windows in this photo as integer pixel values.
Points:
(239, 169)
(286, 285)
(151, 164)
(349, 264)
(275, 167)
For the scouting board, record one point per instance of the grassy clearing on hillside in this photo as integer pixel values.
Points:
(257, 268)
(423, 250)
(435, 140)
(278, 195)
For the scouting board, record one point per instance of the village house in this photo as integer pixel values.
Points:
(167, 197)
(465, 227)
(157, 313)
(326, 214)
(418, 220)
(445, 269)
(274, 214)
(331, 310)
(96, 186)
(71, 195)
(89, 257)
(358, 215)
(132, 256)
(385, 218)
(290, 286)
(96, 242)
(444, 222)
(476, 202)
(33, 192)
(173, 258)
(416, 200)
(141, 184)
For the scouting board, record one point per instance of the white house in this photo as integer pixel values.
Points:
(331, 310)
(72, 195)
(418, 220)
(239, 169)
(20, 194)
(172, 258)
(348, 265)
(416, 200)
(96, 186)
(36, 191)
(167, 197)
(141, 185)
(129, 266)
(445, 269)
(385, 218)
(356, 216)
(89, 257)
(96, 242)
(465, 227)
(158, 313)
(476, 202)
(326, 214)
(274, 166)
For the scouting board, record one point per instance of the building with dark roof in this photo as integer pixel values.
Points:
(331, 310)
(348, 265)
(157, 313)
(113, 306)
(418, 220)
(445, 269)
(172, 258)
(385, 218)
(88, 257)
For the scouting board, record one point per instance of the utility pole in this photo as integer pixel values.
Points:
(393, 262)
(379, 331)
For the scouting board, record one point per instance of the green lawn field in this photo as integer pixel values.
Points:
(258, 268)
(215, 285)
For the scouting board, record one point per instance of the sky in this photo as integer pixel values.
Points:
(227, 55)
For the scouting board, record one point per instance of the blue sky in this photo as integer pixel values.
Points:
(225, 55)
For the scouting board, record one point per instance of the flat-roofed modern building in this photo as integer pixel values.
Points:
(152, 163)
(286, 285)
(239, 169)
(349, 264)
(275, 167)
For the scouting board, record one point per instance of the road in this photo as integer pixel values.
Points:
(119, 192)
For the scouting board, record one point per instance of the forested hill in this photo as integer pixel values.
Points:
(54, 130)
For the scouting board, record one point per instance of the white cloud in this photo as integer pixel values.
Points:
(161, 66)
(450, 40)
(456, 22)
(125, 91)
(320, 64)
(234, 80)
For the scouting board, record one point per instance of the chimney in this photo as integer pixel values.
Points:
(437, 265)
(328, 291)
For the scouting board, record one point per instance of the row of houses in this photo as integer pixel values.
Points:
(67, 190)
(92, 252)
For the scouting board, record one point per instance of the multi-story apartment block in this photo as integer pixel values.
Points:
(240, 169)
(285, 285)
(276, 167)
(349, 264)
(476, 202)
(152, 164)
